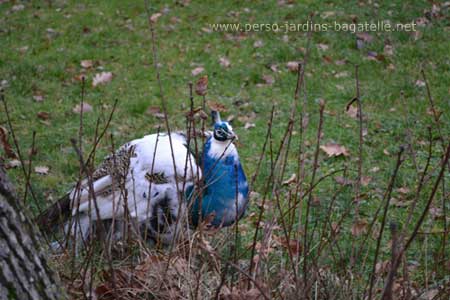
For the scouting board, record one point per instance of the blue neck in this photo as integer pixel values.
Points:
(225, 185)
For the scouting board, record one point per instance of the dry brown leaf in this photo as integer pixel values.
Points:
(420, 83)
(359, 227)
(403, 190)
(333, 149)
(216, 106)
(327, 59)
(41, 170)
(352, 111)
(375, 169)
(43, 115)
(388, 50)
(269, 80)
(399, 203)
(38, 97)
(342, 74)
(87, 63)
(292, 66)
(258, 44)
(201, 86)
(13, 164)
(249, 125)
(224, 62)
(5, 144)
(343, 181)
(382, 267)
(154, 18)
(197, 71)
(366, 37)
(102, 78)
(155, 111)
(292, 179)
(365, 180)
(323, 47)
(86, 108)
(293, 245)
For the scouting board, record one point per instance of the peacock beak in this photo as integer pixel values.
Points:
(233, 136)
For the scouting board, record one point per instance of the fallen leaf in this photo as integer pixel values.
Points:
(420, 83)
(333, 149)
(155, 111)
(327, 59)
(43, 115)
(341, 74)
(388, 50)
(292, 66)
(399, 203)
(201, 86)
(386, 152)
(87, 63)
(340, 62)
(86, 108)
(365, 180)
(154, 18)
(197, 71)
(294, 246)
(6, 146)
(352, 111)
(403, 190)
(343, 181)
(38, 97)
(274, 68)
(41, 170)
(269, 80)
(375, 169)
(382, 267)
(224, 62)
(359, 227)
(292, 179)
(102, 78)
(18, 7)
(216, 106)
(258, 44)
(249, 125)
(13, 164)
(323, 47)
(366, 37)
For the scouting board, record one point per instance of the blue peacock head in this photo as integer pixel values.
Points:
(222, 129)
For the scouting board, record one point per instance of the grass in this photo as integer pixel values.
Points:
(44, 43)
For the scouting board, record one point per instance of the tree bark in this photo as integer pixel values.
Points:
(24, 271)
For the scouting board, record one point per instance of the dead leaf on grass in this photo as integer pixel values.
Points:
(224, 62)
(87, 63)
(333, 149)
(359, 227)
(41, 170)
(201, 86)
(86, 108)
(216, 106)
(197, 71)
(5, 144)
(102, 78)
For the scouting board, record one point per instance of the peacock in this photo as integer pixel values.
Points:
(158, 183)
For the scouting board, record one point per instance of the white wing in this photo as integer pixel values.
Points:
(138, 176)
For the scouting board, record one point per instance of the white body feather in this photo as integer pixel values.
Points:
(135, 193)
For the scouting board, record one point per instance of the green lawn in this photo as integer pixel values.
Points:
(44, 42)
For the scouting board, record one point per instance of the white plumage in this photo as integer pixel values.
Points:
(139, 178)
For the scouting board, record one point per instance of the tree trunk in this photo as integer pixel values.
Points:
(24, 271)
